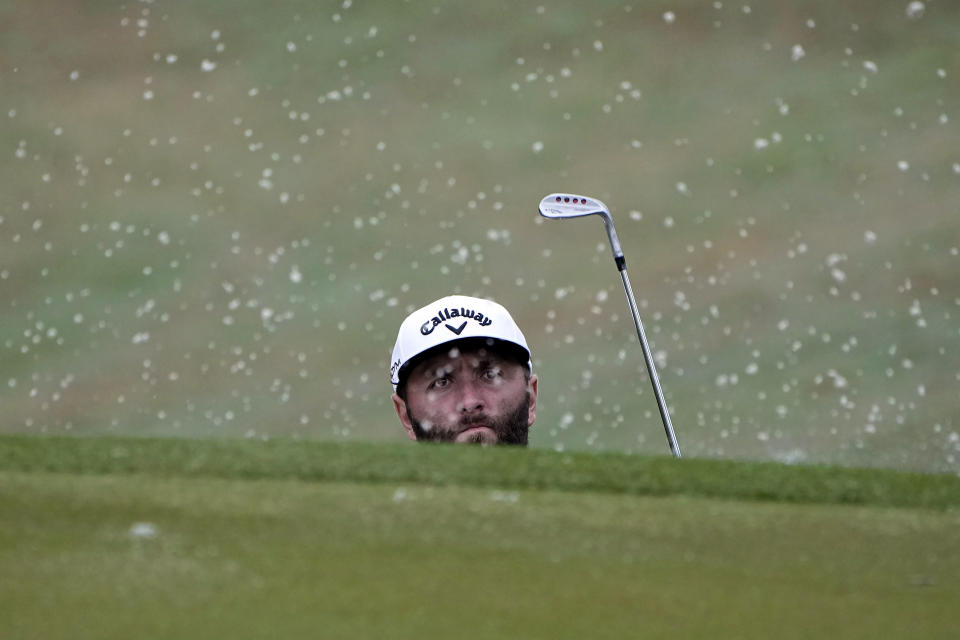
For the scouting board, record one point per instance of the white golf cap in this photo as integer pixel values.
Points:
(448, 320)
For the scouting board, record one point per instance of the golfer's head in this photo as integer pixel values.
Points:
(461, 372)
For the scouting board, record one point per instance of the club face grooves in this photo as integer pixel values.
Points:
(569, 205)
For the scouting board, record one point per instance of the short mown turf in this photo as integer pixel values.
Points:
(122, 538)
(479, 467)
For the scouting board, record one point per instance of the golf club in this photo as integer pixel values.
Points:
(560, 206)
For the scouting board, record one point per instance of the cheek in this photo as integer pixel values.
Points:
(435, 403)
(510, 395)
(433, 407)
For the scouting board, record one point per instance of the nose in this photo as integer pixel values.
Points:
(471, 399)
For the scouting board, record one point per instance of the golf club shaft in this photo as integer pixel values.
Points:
(651, 368)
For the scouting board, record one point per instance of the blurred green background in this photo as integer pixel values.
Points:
(215, 215)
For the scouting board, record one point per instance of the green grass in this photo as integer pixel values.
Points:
(263, 539)
(478, 467)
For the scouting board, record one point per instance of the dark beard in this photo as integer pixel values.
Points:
(510, 429)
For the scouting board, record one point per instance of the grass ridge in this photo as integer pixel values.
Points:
(366, 462)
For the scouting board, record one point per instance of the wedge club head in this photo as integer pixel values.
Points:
(566, 205)
(561, 206)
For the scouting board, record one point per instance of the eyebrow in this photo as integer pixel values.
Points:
(487, 360)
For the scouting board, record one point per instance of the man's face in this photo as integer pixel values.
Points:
(469, 394)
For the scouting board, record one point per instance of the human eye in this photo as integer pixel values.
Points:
(440, 382)
(492, 373)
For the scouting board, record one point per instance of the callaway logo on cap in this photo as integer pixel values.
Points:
(448, 319)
